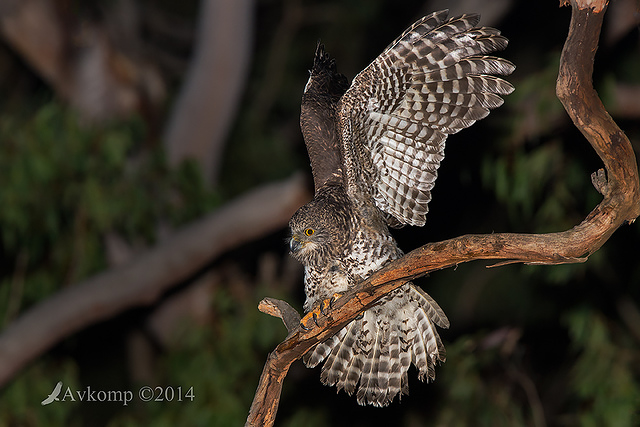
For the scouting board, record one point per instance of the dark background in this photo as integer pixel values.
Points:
(84, 188)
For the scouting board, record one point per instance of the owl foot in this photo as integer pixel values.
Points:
(327, 304)
(322, 309)
(310, 319)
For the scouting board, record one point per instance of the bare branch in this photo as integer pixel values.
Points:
(147, 277)
(621, 204)
(283, 310)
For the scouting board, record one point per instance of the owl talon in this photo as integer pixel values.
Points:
(321, 309)
(315, 318)
(334, 298)
(305, 322)
(323, 306)
(327, 304)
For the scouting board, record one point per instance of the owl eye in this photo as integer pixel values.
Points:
(309, 232)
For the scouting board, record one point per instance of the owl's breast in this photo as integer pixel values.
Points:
(321, 284)
(369, 252)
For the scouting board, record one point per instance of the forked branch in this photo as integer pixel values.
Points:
(621, 203)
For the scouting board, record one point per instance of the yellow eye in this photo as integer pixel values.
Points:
(309, 232)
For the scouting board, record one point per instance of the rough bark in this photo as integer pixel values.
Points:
(621, 203)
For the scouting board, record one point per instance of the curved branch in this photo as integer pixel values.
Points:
(621, 203)
(144, 280)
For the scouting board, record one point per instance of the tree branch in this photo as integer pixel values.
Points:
(147, 277)
(620, 188)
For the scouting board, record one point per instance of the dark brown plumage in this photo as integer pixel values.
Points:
(375, 148)
(318, 118)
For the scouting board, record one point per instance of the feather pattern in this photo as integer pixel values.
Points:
(375, 149)
(432, 81)
(375, 352)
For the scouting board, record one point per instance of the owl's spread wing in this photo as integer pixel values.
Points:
(317, 118)
(432, 81)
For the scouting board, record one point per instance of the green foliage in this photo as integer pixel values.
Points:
(606, 375)
(485, 384)
(477, 390)
(20, 401)
(221, 362)
(540, 186)
(64, 186)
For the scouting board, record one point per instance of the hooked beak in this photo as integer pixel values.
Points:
(295, 244)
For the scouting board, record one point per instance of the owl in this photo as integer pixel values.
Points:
(375, 147)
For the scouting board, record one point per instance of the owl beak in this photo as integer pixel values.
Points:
(295, 244)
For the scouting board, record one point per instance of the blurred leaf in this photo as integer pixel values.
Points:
(605, 375)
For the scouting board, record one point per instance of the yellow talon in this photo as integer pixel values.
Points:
(324, 305)
(333, 299)
(321, 309)
(328, 303)
(305, 322)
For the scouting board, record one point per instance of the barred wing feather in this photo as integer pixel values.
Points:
(432, 81)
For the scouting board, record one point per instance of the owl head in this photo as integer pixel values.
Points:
(318, 233)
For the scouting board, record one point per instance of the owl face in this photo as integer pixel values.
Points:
(315, 235)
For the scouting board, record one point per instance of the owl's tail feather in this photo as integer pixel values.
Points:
(376, 350)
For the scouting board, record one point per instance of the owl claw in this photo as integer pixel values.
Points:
(304, 327)
(327, 304)
(333, 299)
(321, 309)
(323, 306)
(305, 322)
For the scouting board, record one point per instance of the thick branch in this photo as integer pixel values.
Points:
(575, 90)
(146, 278)
(621, 203)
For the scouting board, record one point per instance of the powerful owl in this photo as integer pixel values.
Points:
(375, 147)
